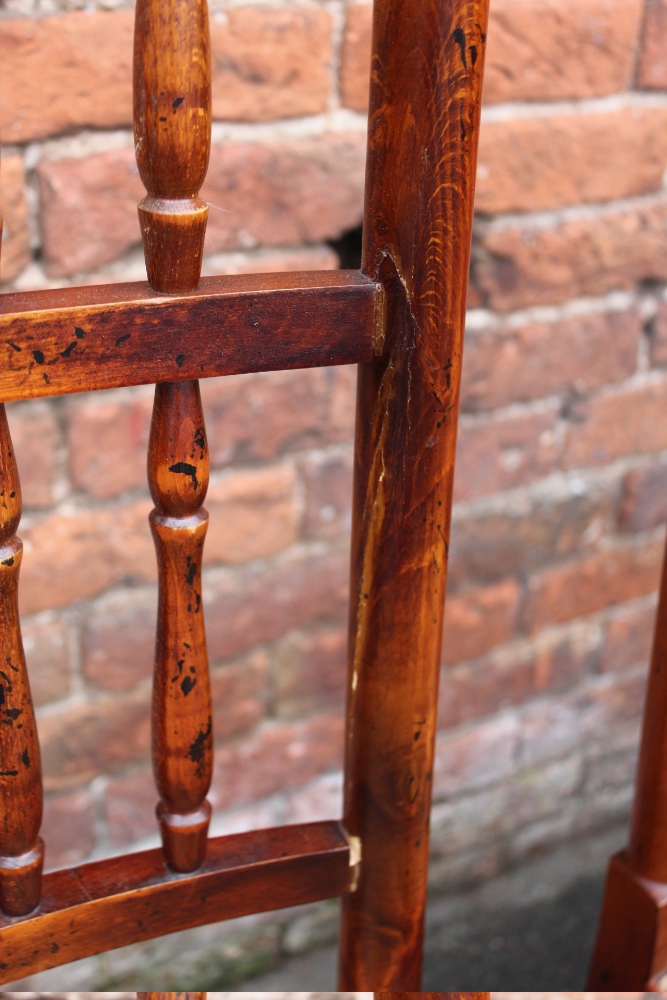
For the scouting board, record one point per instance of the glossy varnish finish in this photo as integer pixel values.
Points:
(112, 903)
(631, 946)
(101, 337)
(21, 849)
(426, 79)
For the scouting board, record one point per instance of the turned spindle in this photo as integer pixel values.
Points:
(172, 126)
(178, 467)
(21, 849)
(172, 134)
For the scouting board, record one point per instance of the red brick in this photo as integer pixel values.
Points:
(582, 587)
(75, 70)
(14, 212)
(477, 620)
(66, 72)
(628, 638)
(129, 808)
(283, 192)
(257, 417)
(499, 454)
(310, 671)
(47, 655)
(494, 544)
(658, 340)
(253, 514)
(279, 756)
(259, 605)
(119, 639)
(514, 364)
(644, 501)
(509, 677)
(559, 726)
(538, 50)
(238, 691)
(328, 480)
(270, 64)
(616, 423)
(548, 50)
(519, 266)
(36, 438)
(68, 828)
(610, 155)
(652, 65)
(75, 554)
(471, 757)
(108, 443)
(100, 737)
(311, 258)
(355, 65)
(88, 210)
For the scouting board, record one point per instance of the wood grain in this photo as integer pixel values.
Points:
(21, 849)
(178, 471)
(172, 135)
(106, 336)
(631, 943)
(426, 79)
(112, 903)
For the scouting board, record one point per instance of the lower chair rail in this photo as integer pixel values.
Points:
(112, 903)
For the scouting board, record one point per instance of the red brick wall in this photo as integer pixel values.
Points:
(562, 470)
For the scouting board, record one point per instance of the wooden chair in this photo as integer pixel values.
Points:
(631, 948)
(401, 319)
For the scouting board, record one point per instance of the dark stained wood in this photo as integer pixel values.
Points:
(172, 133)
(178, 470)
(105, 336)
(21, 849)
(426, 79)
(108, 904)
(631, 944)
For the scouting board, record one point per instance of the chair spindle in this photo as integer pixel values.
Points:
(21, 849)
(172, 120)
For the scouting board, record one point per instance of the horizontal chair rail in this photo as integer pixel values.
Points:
(116, 902)
(107, 336)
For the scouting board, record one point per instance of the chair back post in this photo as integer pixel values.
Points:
(172, 125)
(426, 80)
(21, 848)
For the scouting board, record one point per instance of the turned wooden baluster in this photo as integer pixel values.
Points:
(21, 850)
(172, 116)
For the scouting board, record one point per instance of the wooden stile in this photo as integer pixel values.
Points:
(426, 79)
(402, 319)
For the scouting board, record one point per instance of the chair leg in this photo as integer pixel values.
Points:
(631, 948)
(426, 79)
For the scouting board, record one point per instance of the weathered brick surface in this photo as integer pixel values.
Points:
(479, 619)
(46, 647)
(591, 255)
(644, 502)
(14, 211)
(68, 828)
(628, 638)
(581, 587)
(498, 454)
(328, 482)
(107, 442)
(283, 192)
(101, 737)
(538, 50)
(658, 340)
(520, 166)
(652, 66)
(310, 670)
(75, 69)
(238, 691)
(36, 438)
(617, 422)
(509, 364)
